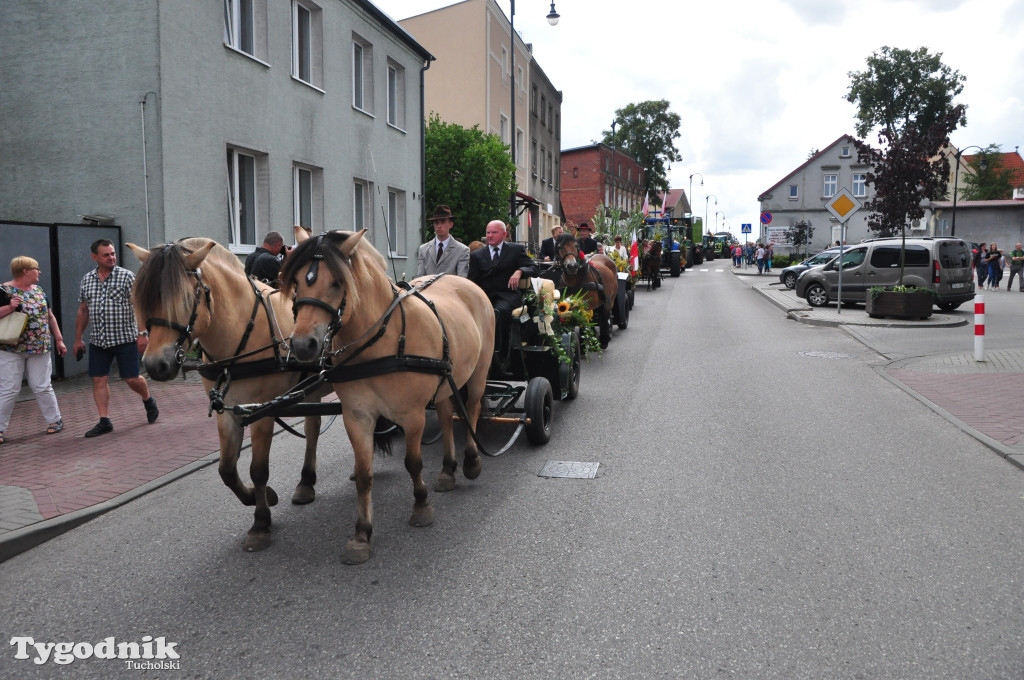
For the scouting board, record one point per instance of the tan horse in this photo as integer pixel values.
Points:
(597, 278)
(387, 347)
(197, 291)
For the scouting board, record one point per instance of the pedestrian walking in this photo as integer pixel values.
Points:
(759, 254)
(105, 302)
(1016, 268)
(29, 356)
(993, 259)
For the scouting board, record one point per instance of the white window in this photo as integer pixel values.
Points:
(238, 25)
(533, 157)
(308, 192)
(503, 130)
(362, 75)
(543, 168)
(396, 220)
(794, 192)
(243, 204)
(396, 95)
(520, 161)
(307, 43)
(505, 70)
(831, 185)
(361, 205)
(844, 152)
(860, 181)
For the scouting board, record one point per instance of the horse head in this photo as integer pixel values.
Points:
(567, 254)
(173, 302)
(322, 273)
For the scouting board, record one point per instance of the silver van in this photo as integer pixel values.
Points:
(942, 265)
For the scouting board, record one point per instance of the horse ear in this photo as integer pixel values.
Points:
(141, 253)
(193, 260)
(301, 235)
(349, 244)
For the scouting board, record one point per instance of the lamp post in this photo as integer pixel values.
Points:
(956, 177)
(689, 196)
(552, 17)
(706, 198)
(611, 173)
(717, 213)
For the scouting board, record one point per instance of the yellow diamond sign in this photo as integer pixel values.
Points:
(843, 205)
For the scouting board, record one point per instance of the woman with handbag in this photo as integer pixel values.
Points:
(29, 354)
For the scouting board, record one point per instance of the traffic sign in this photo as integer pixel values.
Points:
(745, 229)
(766, 218)
(843, 205)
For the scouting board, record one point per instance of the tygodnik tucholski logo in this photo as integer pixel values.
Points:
(149, 654)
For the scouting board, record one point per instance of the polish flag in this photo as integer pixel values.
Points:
(634, 254)
(647, 205)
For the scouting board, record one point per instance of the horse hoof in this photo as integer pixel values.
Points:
(422, 517)
(445, 482)
(472, 470)
(356, 552)
(271, 497)
(256, 541)
(303, 494)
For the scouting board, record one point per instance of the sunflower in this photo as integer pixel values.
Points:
(563, 307)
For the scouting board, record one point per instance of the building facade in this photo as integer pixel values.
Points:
(545, 153)
(599, 177)
(222, 119)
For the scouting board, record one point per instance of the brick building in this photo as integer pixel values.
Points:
(598, 175)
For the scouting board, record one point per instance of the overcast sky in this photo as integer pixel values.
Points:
(759, 85)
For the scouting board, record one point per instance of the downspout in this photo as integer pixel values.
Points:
(145, 165)
(423, 149)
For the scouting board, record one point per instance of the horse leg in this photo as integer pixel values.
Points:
(422, 513)
(604, 321)
(360, 434)
(475, 388)
(230, 432)
(446, 478)
(304, 491)
(261, 433)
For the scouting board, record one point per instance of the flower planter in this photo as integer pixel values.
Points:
(915, 305)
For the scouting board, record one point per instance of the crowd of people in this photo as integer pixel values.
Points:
(990, 263)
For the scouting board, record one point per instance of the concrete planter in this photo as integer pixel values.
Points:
(915, 305)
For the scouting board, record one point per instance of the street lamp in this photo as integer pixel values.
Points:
(705, 225)
(689, 196)
(717, 213)
(552, 17)
(956, 177)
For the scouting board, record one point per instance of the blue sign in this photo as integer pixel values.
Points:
(766, 218)
(745, 229)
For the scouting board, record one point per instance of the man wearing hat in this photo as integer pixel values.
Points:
(442, 254)
(584, 239)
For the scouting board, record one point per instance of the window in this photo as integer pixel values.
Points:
(575, 173)
(307, 41)
(396, 95)
(543, 176)
(844, 152)
(533, 100)
(860, 184)
(505, 70)
(550, 168)
(888, 257)
(396, 220)
(243, 216)
(533, 157)
(831, 185)
(361, 205)
(543, 110)
(503, 130)
(551, 116)
(308, 192)
(794, 192)
(238, 25)
(362, 75)
(520, 161)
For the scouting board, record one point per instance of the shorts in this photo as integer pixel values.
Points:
(101, 358)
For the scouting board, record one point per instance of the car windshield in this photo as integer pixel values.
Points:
(820, 258)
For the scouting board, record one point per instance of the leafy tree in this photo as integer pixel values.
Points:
(647, 131)
(907, 96)
(800, 234)
(991, 183)
(470, 172)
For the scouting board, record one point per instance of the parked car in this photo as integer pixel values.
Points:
(941, 265)
(790, 274)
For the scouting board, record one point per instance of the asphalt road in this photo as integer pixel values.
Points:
(767, 506)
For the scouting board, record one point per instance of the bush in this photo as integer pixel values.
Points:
(781, 261)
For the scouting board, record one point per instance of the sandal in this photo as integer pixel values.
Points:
(54, 428)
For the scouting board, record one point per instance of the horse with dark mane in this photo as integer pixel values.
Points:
(390, 352)
(651, 267)
(196, 291)
(596, 277)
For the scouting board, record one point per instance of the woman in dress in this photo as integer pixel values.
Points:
(30, 355)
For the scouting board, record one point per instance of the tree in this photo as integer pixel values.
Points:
(647, 131)
(800, 234)
(468, 171)
(907, 96)
(991, 183)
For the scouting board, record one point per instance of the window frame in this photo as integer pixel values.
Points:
(242, 199)
(361, 212)
(396, 95)
(362, 74)
(396, 218)
(859, 182)
(829, 181)
(307, 43)
(794, 192)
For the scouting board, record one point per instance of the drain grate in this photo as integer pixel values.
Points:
(814, 354)
(569, 469)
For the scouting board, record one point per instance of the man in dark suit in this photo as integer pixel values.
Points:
(547, 246)
(497, 269)
(584, 239)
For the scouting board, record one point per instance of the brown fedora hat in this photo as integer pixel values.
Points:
(441, 212)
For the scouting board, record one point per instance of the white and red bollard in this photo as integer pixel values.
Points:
(979, 328)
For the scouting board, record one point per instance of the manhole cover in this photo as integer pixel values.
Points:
(825, 355)
(569, 469)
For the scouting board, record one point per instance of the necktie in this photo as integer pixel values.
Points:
(494, 253)
(440, 250)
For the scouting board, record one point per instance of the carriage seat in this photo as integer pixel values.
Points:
(545, 289)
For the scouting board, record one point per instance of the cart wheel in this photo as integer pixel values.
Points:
(631, 295)
(569, 373)
(673, 268)
(538, 403)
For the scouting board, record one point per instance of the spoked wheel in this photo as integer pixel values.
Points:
(538, 404)
(569, 373)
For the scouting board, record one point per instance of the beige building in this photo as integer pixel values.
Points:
(470, 84)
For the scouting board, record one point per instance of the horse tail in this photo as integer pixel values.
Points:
(382, 434)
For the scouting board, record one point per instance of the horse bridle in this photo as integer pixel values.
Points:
(184, 332)
(335, 313)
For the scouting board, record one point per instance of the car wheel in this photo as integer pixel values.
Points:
(790, 280)
(816, 295)
(948, 306)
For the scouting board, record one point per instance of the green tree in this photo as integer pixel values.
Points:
(907, 97)
(800, 234)
(647, 131)
(470, 172)
(991, 183)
